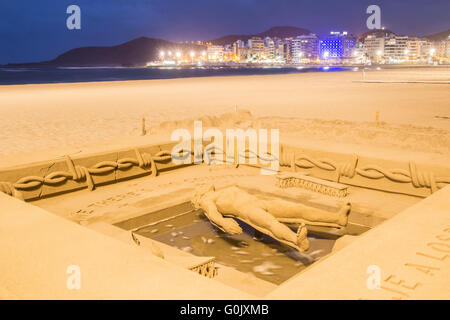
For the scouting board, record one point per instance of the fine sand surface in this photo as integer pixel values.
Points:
(325, 110)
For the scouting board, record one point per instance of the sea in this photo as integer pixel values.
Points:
(44, 74)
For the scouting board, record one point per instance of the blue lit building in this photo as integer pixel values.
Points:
(337, 46)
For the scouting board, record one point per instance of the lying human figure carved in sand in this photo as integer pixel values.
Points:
(265, 215)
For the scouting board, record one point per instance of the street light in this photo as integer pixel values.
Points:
(178, 54)
(432, 51)
(161, 54)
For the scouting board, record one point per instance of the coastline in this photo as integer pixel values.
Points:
(53, 74)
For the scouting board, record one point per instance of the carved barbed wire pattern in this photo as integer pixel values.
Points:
(248, 154)
(80, 173)
(419, 179)
(349, 169)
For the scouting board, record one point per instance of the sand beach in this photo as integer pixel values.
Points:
(327, 109)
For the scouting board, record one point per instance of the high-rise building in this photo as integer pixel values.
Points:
(215, 53)
(337, 46)
(228, 52)
(425, 49)
(441, 49)
(282, 50)
(255, 48)
(358, 53)
(239, 51)
(269, 48)
(373, 47)
(395, 48)
(305, 48)
(447, 47)
(412, 52)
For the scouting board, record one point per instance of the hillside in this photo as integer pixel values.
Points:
(136, 52)
(439, 36)
(377, 32)
(275, 32)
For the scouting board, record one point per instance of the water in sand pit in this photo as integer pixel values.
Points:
(265, 258)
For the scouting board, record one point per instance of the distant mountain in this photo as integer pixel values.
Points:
(136, 52)
(232, 38)
(283, 32)
(439, 36)
(275, 32)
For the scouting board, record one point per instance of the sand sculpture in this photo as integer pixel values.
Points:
(300, 180)
(265, 215)
(206, 269)
(351, 169)
(391, 176)
(83, 174)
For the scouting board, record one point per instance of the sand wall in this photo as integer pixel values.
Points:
(49, 178)
(42, 179)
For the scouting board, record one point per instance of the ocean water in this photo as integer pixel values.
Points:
(34, 75)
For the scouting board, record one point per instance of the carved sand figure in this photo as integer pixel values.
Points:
(265, 215)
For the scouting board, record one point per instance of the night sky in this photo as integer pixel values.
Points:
(35, 30)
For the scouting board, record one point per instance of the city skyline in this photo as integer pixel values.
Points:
(33, 32)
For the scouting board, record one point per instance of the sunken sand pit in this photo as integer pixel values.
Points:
(100, 196)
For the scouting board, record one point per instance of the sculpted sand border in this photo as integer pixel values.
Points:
(393, 176)
(47, 178)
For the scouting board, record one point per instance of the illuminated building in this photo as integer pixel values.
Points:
(359, 55)
(373, 47)
(447, 47)
(215, 53)
(395, 48)
(337, 46)
(269, 48)
(228, 52)
(283, 50)
(255, 48)
(305, 48)
(239, 51)
(424, 49)
(442, 48)
(412, 49)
